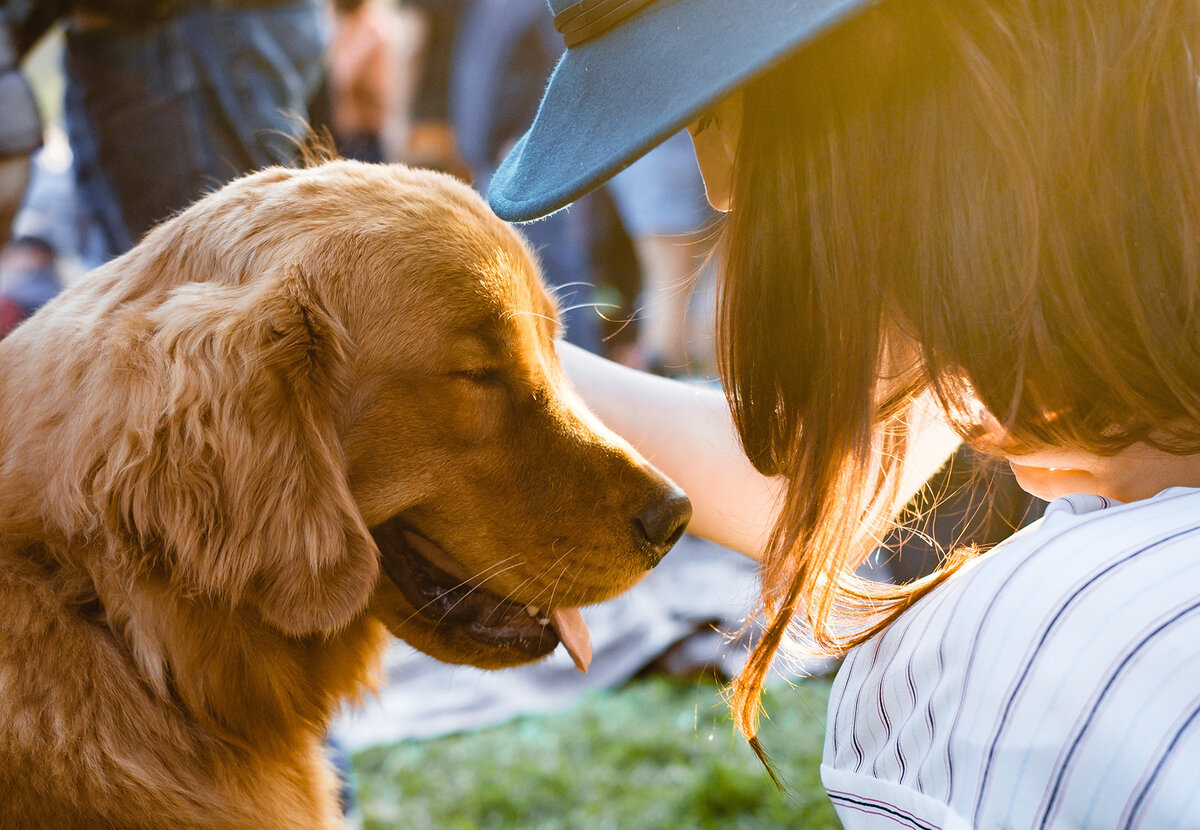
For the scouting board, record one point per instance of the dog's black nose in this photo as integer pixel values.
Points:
(663, 522)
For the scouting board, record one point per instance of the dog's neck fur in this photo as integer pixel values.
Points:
(199, 700)
(222, 680)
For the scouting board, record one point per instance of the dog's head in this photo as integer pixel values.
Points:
(325, 371)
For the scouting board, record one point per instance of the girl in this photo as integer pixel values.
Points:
(991, 205)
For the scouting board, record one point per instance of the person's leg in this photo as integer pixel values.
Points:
(262, 68)
(98, 201)
(671, 267)
(661, 202)
(160, 115)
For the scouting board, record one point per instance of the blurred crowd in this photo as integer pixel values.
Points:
(164, 100)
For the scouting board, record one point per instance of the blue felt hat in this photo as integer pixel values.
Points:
(635, 72)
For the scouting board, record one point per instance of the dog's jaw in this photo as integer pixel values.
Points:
(442, 597)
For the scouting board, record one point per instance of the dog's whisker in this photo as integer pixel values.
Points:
(555, 290)
(519, 313)
(537, 599)
(484, 574)
(534, 603)
(468, 583)
(626, 323)
(594, 306)
(480, 579)
(476, 587)
(561, 572)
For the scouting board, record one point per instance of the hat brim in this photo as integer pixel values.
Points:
(614, 98)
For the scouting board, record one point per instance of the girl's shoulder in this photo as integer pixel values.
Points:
(1088, 565)
(1061, 667)
(1082, 546)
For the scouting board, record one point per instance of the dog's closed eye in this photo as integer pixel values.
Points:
(482, 375)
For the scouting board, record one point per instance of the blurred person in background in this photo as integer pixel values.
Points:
(503, 50)
(432, 142)
(660, 200)
(168, 99)
(372, 78)
(51, 209)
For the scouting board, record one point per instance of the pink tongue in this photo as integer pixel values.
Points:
(573, 632)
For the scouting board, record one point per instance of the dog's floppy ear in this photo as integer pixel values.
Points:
(230, 472)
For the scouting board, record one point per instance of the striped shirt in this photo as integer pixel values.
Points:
(1051, 683)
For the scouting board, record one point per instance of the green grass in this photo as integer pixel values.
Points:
(656, 754)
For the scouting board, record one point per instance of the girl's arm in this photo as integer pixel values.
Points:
(687, 432)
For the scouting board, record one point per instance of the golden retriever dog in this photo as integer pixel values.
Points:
(316, 406)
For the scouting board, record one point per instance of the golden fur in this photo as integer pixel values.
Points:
(207, 445)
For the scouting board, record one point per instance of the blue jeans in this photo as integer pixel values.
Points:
(159, 115)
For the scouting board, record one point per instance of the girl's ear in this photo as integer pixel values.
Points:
(230, 470)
